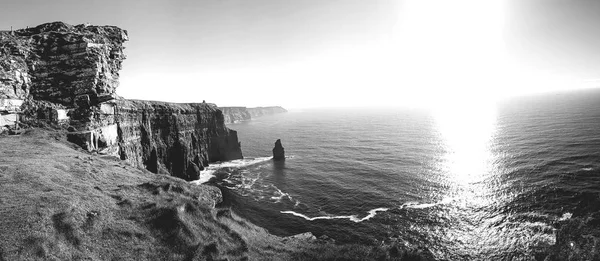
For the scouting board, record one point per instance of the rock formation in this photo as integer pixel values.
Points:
(237, 114)
(60, 63)
(67, 75)
(278, 151)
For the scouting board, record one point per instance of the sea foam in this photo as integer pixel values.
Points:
(208, 172)
(353, 218)
(417, 205)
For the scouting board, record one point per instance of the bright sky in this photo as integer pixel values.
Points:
(315, 53)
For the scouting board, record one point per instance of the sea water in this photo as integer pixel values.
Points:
(467, 182)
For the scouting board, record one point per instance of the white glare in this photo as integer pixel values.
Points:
(467, 132)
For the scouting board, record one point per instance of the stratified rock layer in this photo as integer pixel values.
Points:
(58, 62)
(238, 114)
(68, 75)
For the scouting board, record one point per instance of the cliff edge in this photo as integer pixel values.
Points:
(67, 76)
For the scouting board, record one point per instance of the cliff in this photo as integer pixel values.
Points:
(174, 138)
(262, 111)
(68, 75)
(59, 63)
(237, 114)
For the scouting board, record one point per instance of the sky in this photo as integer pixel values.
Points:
(329, 53)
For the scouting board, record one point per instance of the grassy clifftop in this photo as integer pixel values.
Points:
(58, 202)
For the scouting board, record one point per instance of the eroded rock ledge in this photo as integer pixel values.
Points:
(68, 75)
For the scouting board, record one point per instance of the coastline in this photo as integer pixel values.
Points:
(65, 203)
(86, 174)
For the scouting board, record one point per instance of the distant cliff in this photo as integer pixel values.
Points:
(237, 114)
(68, 75)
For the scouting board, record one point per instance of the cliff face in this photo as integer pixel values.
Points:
(68, 75)
(174, 138)
(237, 114)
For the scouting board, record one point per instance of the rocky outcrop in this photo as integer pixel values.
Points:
(238, 114)
(68, 75)
(45, 69)
(60, 63)
(278, 151)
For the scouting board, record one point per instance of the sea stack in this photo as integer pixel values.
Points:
(278, 151)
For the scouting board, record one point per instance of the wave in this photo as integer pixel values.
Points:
(239, 163)
(538, 225)
(208, 173)
(542, 216)
(537, 215)
(353, 218)
(281, 195)
(417, 205)
(565, 216)
(250, 183)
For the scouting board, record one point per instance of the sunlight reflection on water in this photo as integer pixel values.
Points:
(467, 134)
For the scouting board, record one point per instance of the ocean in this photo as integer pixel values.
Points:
(484, 182)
